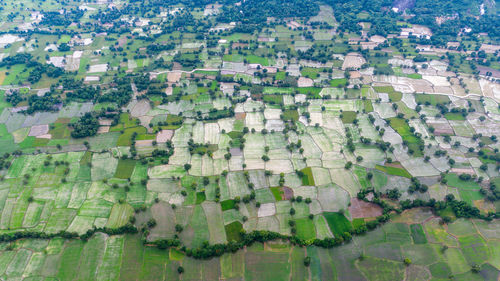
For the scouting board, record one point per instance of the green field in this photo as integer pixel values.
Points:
(250, 140)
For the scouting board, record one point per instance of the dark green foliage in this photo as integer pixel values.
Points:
(125, 168)
(233, 231)
(121, 94)
(417, 233)
(14, 98)
(307, 178)
(253, 14)
(395, 171)
(227, 205)
(348, 117)
(47, 102)
(338, 223)
(200, 197)
(85, 127)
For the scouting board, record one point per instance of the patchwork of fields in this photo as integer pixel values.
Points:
(435, 252)
(258, 140)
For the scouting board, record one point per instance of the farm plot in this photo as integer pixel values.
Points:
(103, 166)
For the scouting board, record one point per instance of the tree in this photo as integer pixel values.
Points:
(307, 261)
(86, 126)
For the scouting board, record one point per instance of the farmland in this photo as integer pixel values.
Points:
(255, 140)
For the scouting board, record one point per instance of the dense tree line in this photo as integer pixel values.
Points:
(253, 14)
(13, 236)
(19, 58)
(14, 98)
(38, 68)
(55, 18)
(86, 126)
(47, 102)
(121, 93)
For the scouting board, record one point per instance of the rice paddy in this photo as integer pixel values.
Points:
(194, 148)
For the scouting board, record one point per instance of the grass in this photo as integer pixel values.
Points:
(431, 99)
(338, 223)
(382, 269)
(125, 139)
(200, 197)
(447, 212)
(308, 178)
(399, 72)
(206, 72)
(311, 92)
(175, 254)
(403, 129)
(368, 106)
(256, 59)
(277, 192)
(338, 82)
(384, 89)
(348, 117)
(131, 258)
(227, 205)
(290, 115)
(70, 257)
(59, 131)
(417, 233)
(233, 231)
(400, 172)
(357, 223)
(440, 270)
(310, 72)
(470, 196)
(474, 249)
(120, 214)
(454, 116)
(280, 75)
(125, 168)
(92, 253)
(395, 96)
(273, 99)
(305, 228)
(455, 181)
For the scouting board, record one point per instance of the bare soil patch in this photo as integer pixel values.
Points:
(362, 209)
(164, 136)
(38, 130)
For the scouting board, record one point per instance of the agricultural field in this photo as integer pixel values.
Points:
(282, 140)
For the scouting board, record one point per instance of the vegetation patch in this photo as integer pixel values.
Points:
(338, 83)
(227, 205)
(200, 197)
(414, 143)
(431, 99)
(125, 168)
(338, 223)
(368, 106)
(233, 231)
(278, 192)
(454, 116)
(348, 117)
(305, 228)
(394, 171)
(307, 178)
(417, 233)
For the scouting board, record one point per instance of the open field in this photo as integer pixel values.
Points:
(285, 140)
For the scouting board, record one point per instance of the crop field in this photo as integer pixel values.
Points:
(106, 257)
(241, 141)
